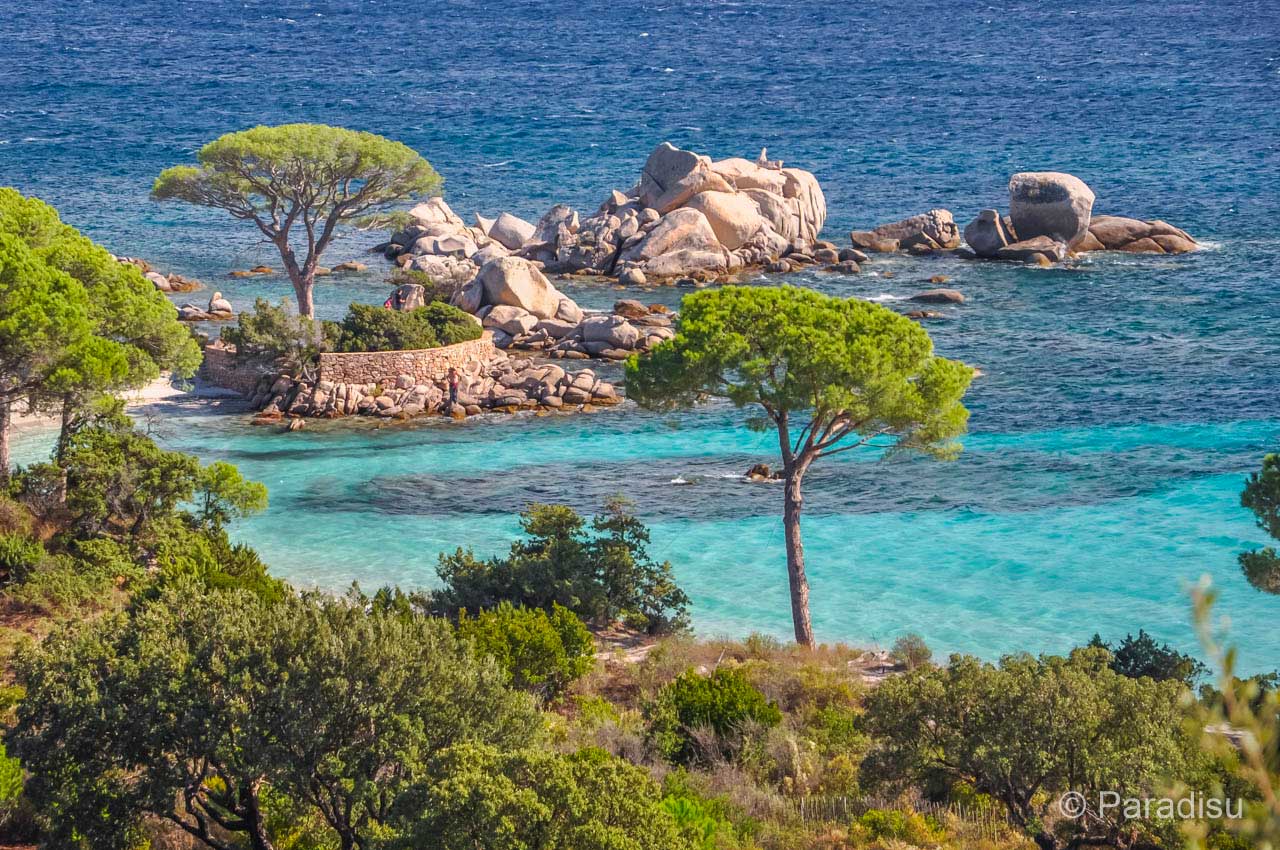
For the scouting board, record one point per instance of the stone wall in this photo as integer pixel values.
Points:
(220, 369)
(424, 366)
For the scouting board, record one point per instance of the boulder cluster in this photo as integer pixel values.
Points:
(687, 215)
(1050, 217)
(631, 326)
(515, 301)
(163, 282)
(504, 384)
(217, 310)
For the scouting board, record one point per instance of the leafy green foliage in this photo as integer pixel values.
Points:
(1262, 496)
(541, 652)
(76, 323)
(19, 555)
(911, 827)
(206, 697)
(1030, 729)
(275, 335)
(602, 575)
(368, 328)
(119, 481)
(481, 798)
(829, 374)
(722, 703)
(911, 651)
(1140, 656)
(298, 183)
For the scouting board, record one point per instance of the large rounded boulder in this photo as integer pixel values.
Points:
(733, 216)
(519, 283)
(1052, 204)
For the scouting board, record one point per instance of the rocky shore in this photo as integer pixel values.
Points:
(501, 384)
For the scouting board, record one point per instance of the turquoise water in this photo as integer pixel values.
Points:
(1123, 400)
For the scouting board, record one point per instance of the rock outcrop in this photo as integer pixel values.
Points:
(1117, 233)
(989, 232)
(1052, 204)
(502, 384)
(164, 282)
(934, 230)
(687, 216)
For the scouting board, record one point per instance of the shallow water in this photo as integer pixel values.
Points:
(1123, 398)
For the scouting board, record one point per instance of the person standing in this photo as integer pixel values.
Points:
(453, 379)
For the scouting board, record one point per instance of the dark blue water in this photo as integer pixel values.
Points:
(1123, 399)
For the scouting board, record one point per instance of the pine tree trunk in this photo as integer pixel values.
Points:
(793, 503)
(304, 288)
(6, 417)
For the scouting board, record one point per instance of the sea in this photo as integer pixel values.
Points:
(1123, 398)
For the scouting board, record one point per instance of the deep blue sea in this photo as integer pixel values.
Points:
(1123, 398)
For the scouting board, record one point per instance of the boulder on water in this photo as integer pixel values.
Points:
(511, 232)
(1117, 233)
(218, 304)
(1052, 204)
(1043, 250)
(988, 233)
(939, 296)
(932, 230)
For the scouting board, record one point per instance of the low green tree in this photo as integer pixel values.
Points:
(482, 798)
(1262, 496)
(133, 332)
(721, 703)
(297, 183)
(1140, 656)
(273, 335)
(543, 653)
(1030, 729)
(368, 328)
(829, 374)
(207, 699)
(602, 574)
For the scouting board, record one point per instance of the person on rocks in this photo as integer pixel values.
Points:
(453, 379)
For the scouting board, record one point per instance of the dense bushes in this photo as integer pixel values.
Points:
(602, 574)
(721, 704)
(540, 652)
(1030, 729)
(276, 335)
(210, 697)
(368, 328)
(481, 797)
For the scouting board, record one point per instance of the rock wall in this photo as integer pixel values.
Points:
(220, 369)
(424, 366)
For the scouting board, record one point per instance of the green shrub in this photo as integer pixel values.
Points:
(542, 653)
(62, 584)
(911, 827)
(19, 555)
(911, 651)
(603, 574)
(369, 328)
(721, 703)
(276, 334)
